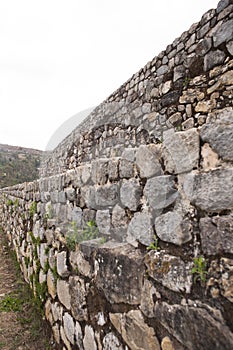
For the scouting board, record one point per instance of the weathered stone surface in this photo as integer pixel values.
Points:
(224, 33)
(149, 295)
(181, 150)
(42, 255)
(119, 217)
(103, 221)
(217, 235)
(110, 342)
(224, 80)
(70, 194)
(62, 268)
(170, 98)
(166, 344)
(69, 327)
(99, 171)
(64, 338)
(119, 272)
(172, 227)
(130, 193)
(78, 293)
(210, 159)
(78, 261)
(213, 58)
(147, 160)
(63, 293)
(205, 106)
(126, 168)
(107, 195)
(211, 191)
(135, 332)
(220, 278)
(79, 335)
(160, 191)
(219, 133)
(89, 339)
(216, 334)
(140, 229)
(170, 271)
(230, 47)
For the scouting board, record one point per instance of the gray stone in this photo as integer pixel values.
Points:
(223, 4)
(69, 327)
(135, 332)
(230, 47)
(64, 339)
(181, 150)
(130, 193)
(62, 268)
(162, 70)
(224, 33)
(78, 293)
(217, 235)
(78, 261)
(179, 72)
(119, 217)
(211, 191)
(103, 221)
(140, 229)
(149, 296)
(203, 46)
(63, 293)
(99, 171)
(43, 255)
(51, 284)
(89, 342)
(113, 169)
(70, 194)
(126, 168)
(219, 134)
(170, 98)
(62, 197)
(107, 195)
(173, 228)
(111, 342)
(213, 58)
(79, 336)
(169, 270)
(220, 278)
(147, 160)
(189, 333)
(119, 272)
(160, 191)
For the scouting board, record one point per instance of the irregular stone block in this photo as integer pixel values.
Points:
(89, 339)
(63, 293)
(69, 327)
(211, 191)
(70, 194)
(135, 332)
(230, 47)
(107, 195)
(78, 261)
(147, 160)
(62, 268)
(207, 332)
(217, 235)
(166, 344)
(119, 272)
(140, 229)
(78, 293)
(51, 284)
(103, 221)
(213, 58)
(224, 33)
(181, 150)
(219, 133)
(173, 228)
(160, 191)
(79, 335)
(126, 168)
(110, 341)
(130, 193)
(99, 171)
(220, 278)
(170, 271)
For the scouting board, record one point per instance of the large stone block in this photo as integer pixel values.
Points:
(140, 229)
(78, 294)
(181, 150)
(170, 271)
(63, 293)
(119, 272)
(107, 195)
(224, 33)
(217, 235)
(211, 191)
(103, 221)
(160, 191)
(147, 160)
(135, 332)
(172, 227)
(218, 132)
(130, 193)
(208, 331)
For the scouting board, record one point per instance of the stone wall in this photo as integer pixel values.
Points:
(127, 238)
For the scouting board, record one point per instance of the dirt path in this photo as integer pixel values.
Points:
(21, 325)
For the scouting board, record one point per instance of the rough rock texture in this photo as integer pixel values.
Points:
(127, 235)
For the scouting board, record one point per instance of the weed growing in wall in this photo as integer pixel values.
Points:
(154, 245)
(199, 269)
(74, 236)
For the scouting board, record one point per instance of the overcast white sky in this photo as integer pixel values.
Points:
(59, 57)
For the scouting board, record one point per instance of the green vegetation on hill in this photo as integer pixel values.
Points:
(18, 164)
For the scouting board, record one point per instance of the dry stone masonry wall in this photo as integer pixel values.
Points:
(127, 238)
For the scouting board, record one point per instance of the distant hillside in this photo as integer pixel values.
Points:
(18, 164)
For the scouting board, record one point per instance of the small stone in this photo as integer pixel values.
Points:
(179, 72)
(89, 339)
(77, 298)
(63, 293)
(51, 284)
(103, 221)
(140, 229)
(205, 106)
(209, 157)
(188, 124)
(62, 268)
(167, 344)
(175, 119)
(110, 341)
(69, 327)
